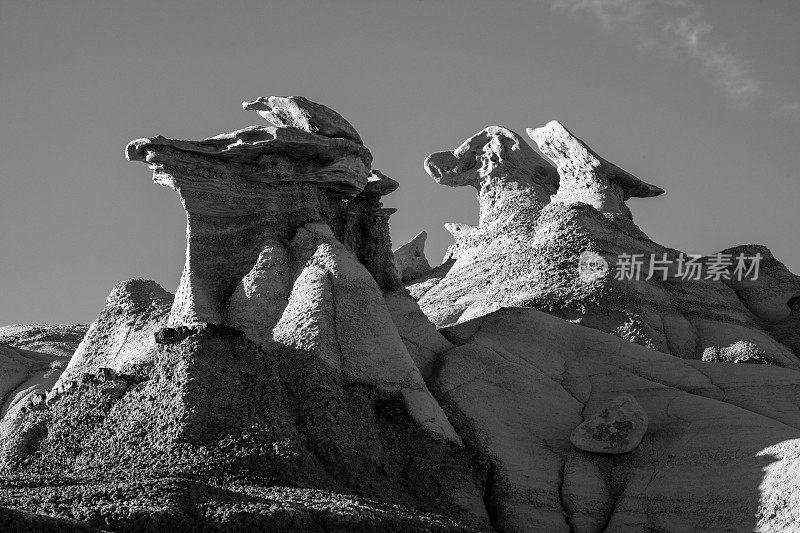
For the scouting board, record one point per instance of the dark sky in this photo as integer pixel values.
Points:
(699, 98)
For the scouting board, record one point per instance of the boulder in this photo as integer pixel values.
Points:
(617, 428)
(302, 113)
(379, 184)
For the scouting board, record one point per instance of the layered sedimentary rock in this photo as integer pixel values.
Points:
(287, 241)
(617, 428)
(302, 113)
(293, 383)
(32, 358)
(276, 374)
(248, 439)
(534, 227)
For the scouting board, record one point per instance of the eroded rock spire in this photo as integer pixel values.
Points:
(287, 240)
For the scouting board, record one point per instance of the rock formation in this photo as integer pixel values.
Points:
(720, 436)
(32, 358)
(410, 261)
(302, 113)
(268, 210)
(276, 364)
(585, 176)
(526, 248)
(55, 339)
(617, 428)
(303, 377)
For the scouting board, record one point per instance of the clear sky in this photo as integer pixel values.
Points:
(701, 98)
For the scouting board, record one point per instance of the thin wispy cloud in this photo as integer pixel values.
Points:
(678, 26)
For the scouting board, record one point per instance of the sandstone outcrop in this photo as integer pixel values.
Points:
(122, 338)
(32, 358)
(410, 261)
(721, 436)
(303, 377)
(617, 428)
(585, 176)
(534, 227)
(302, 113)
(379, 184)
(281, 236)
(218, 423)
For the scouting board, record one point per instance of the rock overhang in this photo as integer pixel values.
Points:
(476, 157)
(303, 114)
(260, 152)
(567, 152)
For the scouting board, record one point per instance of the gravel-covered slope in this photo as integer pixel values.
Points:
(216, 433)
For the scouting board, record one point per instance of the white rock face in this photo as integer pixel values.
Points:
(617, 428)
(32, 358)
(585, 176)
(122, 337)
(56, 339)
(336, 311)
(526, 250)
(302, 113)
(410, 261)
(423, 341)
(720, 436)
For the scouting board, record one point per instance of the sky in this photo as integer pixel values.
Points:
(701, 98)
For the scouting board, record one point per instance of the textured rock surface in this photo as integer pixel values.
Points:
(122, 336)
(617, 428)
(769, 295)
(585, 176)
(410, 261)
(302, 113)
(423, 341)
(294, 384)
(722, 443)
(32, 358)
(56, 339)
(379, 184)
(249, 438)
(336, 310)
(282, 244)
(24, 373)
(526, 248)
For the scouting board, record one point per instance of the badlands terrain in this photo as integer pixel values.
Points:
(305, 377)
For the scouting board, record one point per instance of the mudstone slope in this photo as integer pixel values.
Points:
(305, 377)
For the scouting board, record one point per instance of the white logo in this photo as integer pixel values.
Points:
(591, 267)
